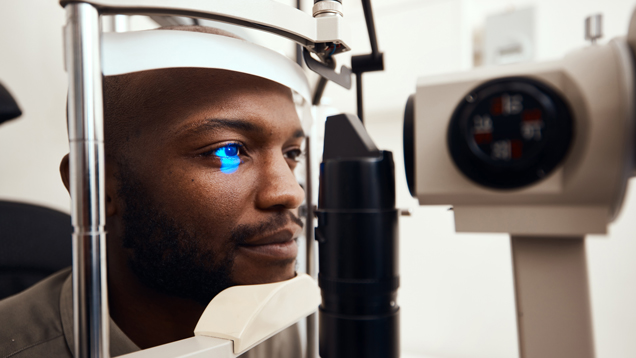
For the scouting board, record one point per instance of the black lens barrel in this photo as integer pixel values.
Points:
(358, 256)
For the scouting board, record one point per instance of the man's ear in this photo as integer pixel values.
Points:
(111, 186)
(65, 174)
(111, 190)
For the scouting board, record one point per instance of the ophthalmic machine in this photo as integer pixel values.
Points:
(543, 152)
(540, 151)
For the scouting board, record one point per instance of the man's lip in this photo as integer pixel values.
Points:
(285, 250)
(278, 237)
(280, 245)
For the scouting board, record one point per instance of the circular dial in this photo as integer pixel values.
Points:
(509, 133)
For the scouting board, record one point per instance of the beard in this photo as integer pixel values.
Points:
(173, 258)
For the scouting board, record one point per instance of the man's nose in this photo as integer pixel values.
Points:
(278, 187)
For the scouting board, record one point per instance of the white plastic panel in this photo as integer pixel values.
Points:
(155, 49)
(195, 347)
(250, 314)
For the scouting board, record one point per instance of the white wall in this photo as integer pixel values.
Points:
(456, 295)
(31, 67)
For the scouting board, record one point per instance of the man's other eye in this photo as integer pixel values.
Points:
(229, 156)
(294, 154)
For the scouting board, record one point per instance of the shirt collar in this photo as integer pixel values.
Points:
(119, 343)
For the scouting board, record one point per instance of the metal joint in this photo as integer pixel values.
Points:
(327, 8)
(594, 27)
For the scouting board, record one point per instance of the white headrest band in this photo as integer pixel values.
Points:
(129, 52)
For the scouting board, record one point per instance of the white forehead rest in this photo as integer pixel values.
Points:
(129, 52)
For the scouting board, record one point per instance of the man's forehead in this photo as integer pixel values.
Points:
(188, 98)
(176, 85)
(178, 79)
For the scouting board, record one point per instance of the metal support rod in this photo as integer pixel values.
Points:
(86, 140)
(552, 297)
(367, 63)
(368, 17)
(319, 91)
(120, 23)
(299, 49)
(311, 267)
(359, 100)
(312, 335)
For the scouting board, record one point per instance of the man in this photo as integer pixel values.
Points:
(200, 196)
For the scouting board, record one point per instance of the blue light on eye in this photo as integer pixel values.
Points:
(229, 158)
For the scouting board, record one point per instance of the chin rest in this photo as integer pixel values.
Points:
(248, 315)
(241, 317)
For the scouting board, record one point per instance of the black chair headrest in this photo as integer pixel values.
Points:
(8, 107)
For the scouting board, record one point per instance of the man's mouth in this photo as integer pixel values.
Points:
(278, 246)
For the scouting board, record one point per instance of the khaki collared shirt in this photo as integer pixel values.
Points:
(39, 323)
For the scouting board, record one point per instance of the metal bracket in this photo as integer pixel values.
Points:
(343, 78)
(269, 16)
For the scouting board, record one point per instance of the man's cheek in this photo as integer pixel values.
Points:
(212, 193)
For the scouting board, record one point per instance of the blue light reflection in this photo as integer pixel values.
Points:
(229, 158)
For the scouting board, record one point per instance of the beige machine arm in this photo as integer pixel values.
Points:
(552, 297)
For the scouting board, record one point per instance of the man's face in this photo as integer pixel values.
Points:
(207, 191)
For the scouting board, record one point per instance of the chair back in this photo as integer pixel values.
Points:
(34, 243)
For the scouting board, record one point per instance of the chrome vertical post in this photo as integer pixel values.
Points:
(86, 141)
(120, 23)
(311, 266)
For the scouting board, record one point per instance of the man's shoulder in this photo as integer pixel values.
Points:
(30, 322)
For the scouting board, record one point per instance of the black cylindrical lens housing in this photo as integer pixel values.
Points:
(408, 134)
(358, 257)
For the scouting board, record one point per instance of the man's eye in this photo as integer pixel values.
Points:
(228, 151)
(294, 154)
(229, 156)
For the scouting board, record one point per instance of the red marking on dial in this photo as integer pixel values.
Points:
(496, 107)
(532, 115)
(483, 138)
(516, 149)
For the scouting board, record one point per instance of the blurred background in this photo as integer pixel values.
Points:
(456, 291)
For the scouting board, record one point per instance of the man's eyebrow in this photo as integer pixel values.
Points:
(299, 134)
(220, 123)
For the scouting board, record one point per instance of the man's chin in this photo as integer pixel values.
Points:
(255, 273)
